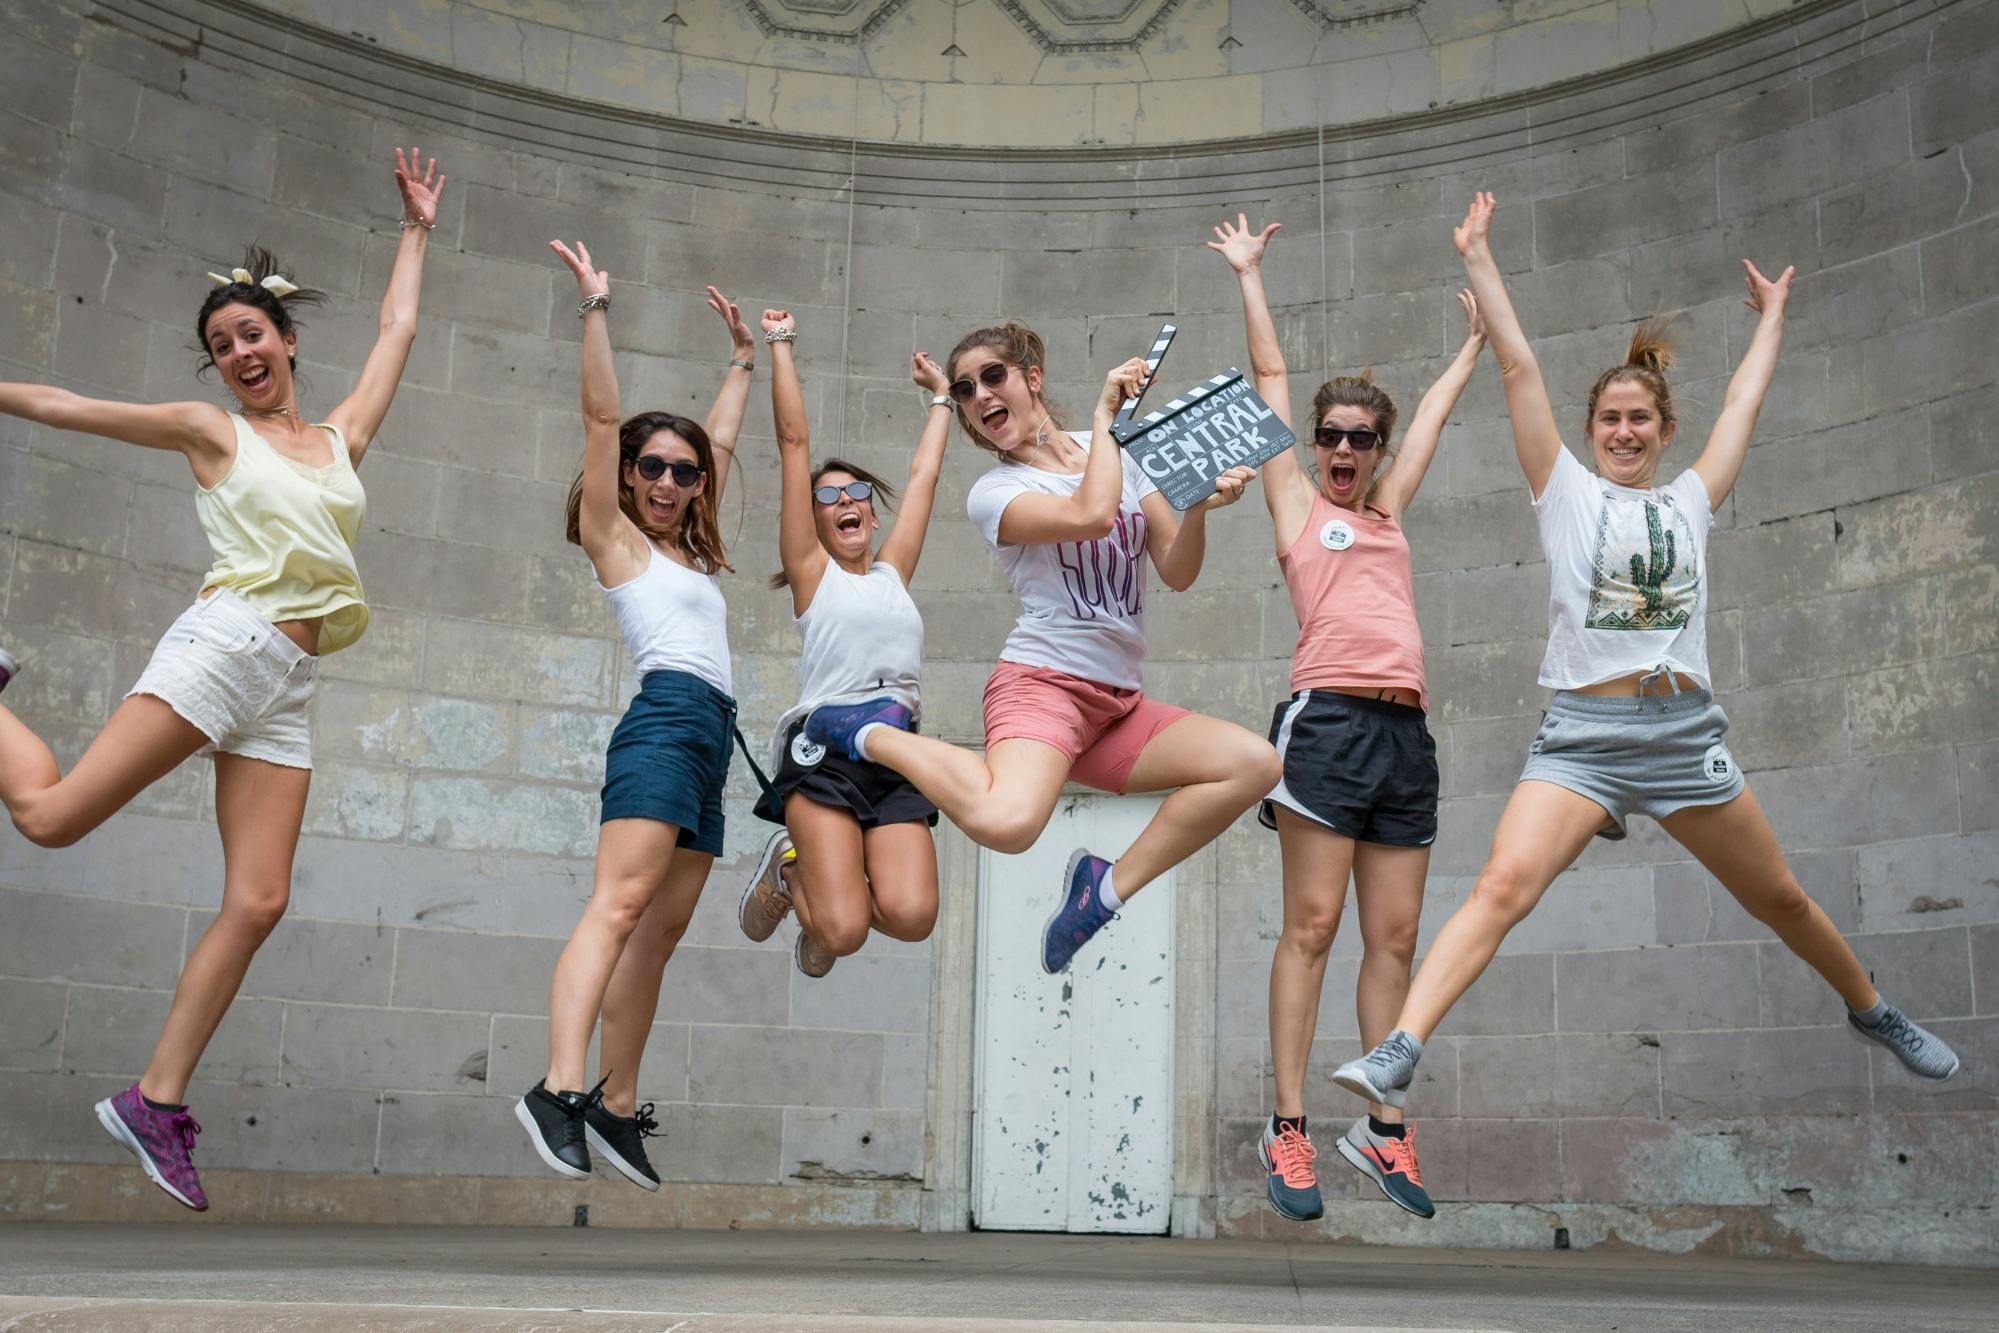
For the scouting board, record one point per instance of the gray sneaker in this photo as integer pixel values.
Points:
(766, 898)
(813, 960)
(1384, 1073)
(1924, 1052)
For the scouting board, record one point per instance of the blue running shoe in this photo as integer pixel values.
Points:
(835, 725)
(1293, 1184)
(1078, 916)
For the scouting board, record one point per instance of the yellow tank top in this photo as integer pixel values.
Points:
(283, 536)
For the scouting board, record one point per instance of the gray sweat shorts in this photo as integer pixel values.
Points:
(1646, 756)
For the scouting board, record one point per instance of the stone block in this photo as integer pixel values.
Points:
(194, 140)
(352, 800)
(111, 1032)
(328, 1046)
(1472, 531)
(316, 960)
(738, 1144)
(1985, 967)
(1607, 1074)
(111, 188)
(1954, 103)
(394, 646)
(768, 1066)
(1941, 528)
(1649, 1161)
(1486, 755)
(905, 1072)
(57, 937)
(1754, 566)
(287, 1128)
(1924, 973)
(1924, 703)
(852, 1145)
(628, 193)
(1850, 631)
(1712, 128)
(1978, 787)
(1956, 266)
(865, 993)
(740, 263)
(1487, 680)
(475, 814)
(741, 985)
(467, 429)
(502, 662)
(33, 1036)
(1398, 326)
(1928, 882)
(1601, 219)
(72, 678)
(448, 969)
(1916, 199)
(1599, 907)
(1928, 360)
(1657, 990)
(1828, 151)
(1498, 603)
(453, 1134)
(1031, 286)
(1515, 995)
(1510, 1077)
(1515, 1160)
(564, 745)
(1781, 726)
(1855, 803)
(1964, 438)
(1793, 1071)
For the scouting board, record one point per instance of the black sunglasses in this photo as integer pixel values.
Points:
(1360, 441)
(992, 375)
(853, 490)
(652, 467)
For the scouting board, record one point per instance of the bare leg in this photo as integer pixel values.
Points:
(1317, 862)
(259, 808)
(1002, 801)
(829, 879)
(902, 879)
(1735, 842)
(1543, 829)
(1220, 770)
(1388, 888)
(143, 742)
(633, 856)
(632, 997)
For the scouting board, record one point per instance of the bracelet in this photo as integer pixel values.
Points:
(407, 223)
(744, 362)
(594, 301)
(941, 400)
(780, 335)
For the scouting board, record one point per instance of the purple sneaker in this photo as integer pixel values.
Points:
(161, 1140)
(835, 725)
(1080, 914)
(10, 667)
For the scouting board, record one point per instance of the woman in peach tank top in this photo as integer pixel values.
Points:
(1358, 796)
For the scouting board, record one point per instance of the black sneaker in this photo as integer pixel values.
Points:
(620, 1139)
(554, 1122)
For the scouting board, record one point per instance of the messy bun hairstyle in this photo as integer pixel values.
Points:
(1362, 392)
(1017, 345)
(261, 264)
(1646, 362)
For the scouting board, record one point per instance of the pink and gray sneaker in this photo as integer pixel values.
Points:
(163, 1141)
(10, 667)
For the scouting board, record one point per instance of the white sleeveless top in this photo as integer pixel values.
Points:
(863, 638)
(674, 619)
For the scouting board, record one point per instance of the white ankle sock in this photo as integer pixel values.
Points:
(1106, 895)
(861, 737)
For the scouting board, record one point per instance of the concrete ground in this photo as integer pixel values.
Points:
(75, 1275)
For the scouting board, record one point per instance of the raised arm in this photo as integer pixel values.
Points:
(360, 413)
(1035, 518)
(1285, 488)
(199, 430)
(1178, 544)
(798, 548)
(615, 546)
(1536, 439)
(1728, 443)
(903, 546)
(1419, 444)
(725, 418)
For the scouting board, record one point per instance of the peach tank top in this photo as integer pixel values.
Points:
(1355, 597)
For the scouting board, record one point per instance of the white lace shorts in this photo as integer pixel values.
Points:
(230, 672)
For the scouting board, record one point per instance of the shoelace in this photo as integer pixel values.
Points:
(186, 1127)
(1398, 1046)
(1402, 1155)
(1895, 1028)
(1292, 1154)
(777, 902)
(647, 1126)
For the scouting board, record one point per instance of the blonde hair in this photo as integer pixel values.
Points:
(1646, 362)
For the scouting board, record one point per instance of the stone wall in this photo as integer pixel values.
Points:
(1641, 1062)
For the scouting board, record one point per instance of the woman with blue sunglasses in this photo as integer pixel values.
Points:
(855, 852)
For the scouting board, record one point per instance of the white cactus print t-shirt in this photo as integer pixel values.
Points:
(1627, 586)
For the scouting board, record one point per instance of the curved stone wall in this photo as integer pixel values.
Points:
(1641, 1063)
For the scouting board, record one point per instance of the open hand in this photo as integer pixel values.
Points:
(739, 332)
(1470, 234)
(589, 281)
(1122, 383)
(1229, 488)
(1239, 245)
(1767, 296)
(927, 373)
(420, 184)
(1469, 304)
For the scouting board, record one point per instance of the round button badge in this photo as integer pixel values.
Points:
(806, 752)
(1718, 765)
(1337, 535)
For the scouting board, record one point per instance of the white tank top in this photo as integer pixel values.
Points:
(862, 638)
(674, 619)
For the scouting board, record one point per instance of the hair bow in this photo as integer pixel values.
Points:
(275, 285)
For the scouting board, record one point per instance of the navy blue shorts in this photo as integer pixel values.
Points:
(1364, 768)
(669, 758)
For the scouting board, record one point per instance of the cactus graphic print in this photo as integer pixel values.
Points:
(1644, 569)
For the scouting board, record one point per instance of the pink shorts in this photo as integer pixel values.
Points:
(1099, 727)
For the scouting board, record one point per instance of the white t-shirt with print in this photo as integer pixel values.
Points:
(1082, 603)
(1626, 576)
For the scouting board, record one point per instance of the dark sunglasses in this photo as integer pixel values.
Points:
(992, 375)
(853, 490)
(652, 467)
(1360, 441)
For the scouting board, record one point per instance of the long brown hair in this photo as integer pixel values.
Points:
(1020, 347)
(1646, 362)
(883, 501)
(699, 535)
(1362, 392)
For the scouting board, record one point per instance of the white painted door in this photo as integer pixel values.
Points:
(1073, 1091)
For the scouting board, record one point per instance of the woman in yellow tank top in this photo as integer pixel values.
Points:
(234, 676)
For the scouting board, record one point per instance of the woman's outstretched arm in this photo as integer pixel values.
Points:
(1536, 439)
(798, 548)
(904, 545)
(725, 418)
(1286, 489)
(609, 538)
(1721, 461)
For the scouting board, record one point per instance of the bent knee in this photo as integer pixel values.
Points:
(841, 936)
(1396, 943)
(1507, 889)
(1313, 935)
(257, 910)
(1786, 903)
(618, 905)
(1009, 831)
(906, 923)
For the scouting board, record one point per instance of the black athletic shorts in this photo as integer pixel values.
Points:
(1364, 768)
(872, 794)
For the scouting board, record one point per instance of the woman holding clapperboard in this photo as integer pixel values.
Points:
(1072, 519)
(1358, 795)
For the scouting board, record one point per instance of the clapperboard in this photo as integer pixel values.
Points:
(1207, 430)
